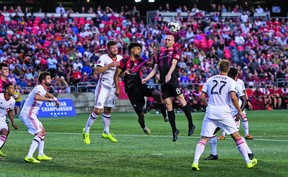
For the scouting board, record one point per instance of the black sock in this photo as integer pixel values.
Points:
(188, 115)
(141, 120)
(162, 108)
(171, 116)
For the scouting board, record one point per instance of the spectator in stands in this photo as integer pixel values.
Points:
(60, 9)
(276, 97)
(259, 10)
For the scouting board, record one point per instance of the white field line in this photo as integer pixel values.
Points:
(256, 138)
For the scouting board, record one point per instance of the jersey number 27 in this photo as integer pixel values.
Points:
(213, 91)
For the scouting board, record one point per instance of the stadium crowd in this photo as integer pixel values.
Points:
(69, 48)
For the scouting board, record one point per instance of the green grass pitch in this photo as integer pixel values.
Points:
(137, 154)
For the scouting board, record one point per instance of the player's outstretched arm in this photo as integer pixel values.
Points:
(151, 74)
(51, 98)
(116, 79)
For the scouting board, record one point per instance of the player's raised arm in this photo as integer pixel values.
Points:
(151, 74)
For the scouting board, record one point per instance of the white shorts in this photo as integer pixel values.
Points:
(218, 118)
(104, 96)
(3, 124)
(31, 122)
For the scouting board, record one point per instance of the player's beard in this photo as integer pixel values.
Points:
(137, 55)
(48, 84)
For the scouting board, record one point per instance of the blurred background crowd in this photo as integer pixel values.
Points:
(69, 48)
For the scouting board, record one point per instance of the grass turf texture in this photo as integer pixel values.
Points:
(137, 154)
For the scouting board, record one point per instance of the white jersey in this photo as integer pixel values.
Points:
(30, 104)
(107, 77)
(5, 106)
(218, 88)
(239, 92)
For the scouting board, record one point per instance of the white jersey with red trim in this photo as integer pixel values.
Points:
(107, 77)
(30, 104)
(5, 106)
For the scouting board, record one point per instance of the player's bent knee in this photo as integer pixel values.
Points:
(4, 132)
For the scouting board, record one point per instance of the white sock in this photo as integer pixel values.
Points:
(223, 133)
(245, 126)
(199, 150)
(106, 122)
(41, 147)
(90, 121)
(213, 145)
(242, 147)
(2, 140)
(33, 146)
(248, 149)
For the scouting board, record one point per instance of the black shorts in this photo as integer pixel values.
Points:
(171, 89)
(136, 96)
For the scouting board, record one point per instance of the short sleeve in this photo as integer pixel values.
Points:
(176, 56)
(233, 87)
(205, 88)
(40, 90)
(101, 61)
(122, 64)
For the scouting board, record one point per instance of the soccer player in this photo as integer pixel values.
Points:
(105, 92)
(4, 72)
(136, 91)
(233, 73)
(166, 62)
(6, 108)
(241, 86)
(28, 115)
(221, 89)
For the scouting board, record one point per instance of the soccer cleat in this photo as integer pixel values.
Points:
(109, 137)
(2, 154)
(252, 163)
(212, 157)
(249, 137)
(44, 157)
(221, 137)
(191, 130)
(86, 137)
(166, 119)
(175, 135)
(195, 167)
(31, 160)
(251, 156)
(146, 131)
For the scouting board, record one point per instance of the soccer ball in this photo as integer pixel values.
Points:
(173, 27)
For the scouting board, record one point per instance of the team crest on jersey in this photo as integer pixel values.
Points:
(99, 104)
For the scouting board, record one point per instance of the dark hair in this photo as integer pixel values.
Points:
(3, 65)
(233, 73)
(110, 43)
(6, 86)
(134, 44)
(43, 75)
